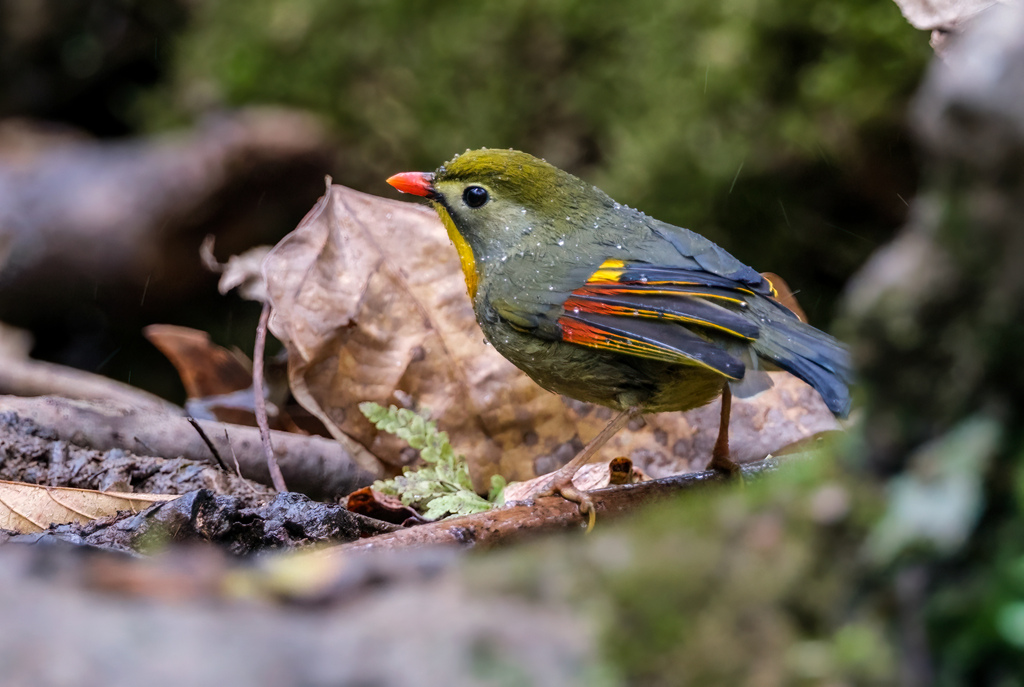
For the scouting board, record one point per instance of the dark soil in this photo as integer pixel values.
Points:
(241, 516)
(33, 454)
(240, 525)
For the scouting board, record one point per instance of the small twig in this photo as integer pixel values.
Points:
(238, 468)
(149, 450)
(209, 444)
(261, 402)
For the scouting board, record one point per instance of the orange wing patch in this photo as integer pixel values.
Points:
(577, 332)
(645, 338)
(581, 333)
(671, 314)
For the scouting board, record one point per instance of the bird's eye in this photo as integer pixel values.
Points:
(474, 196)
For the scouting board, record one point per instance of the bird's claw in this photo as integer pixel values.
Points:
(568, 491)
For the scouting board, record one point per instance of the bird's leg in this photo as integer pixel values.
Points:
(720, 460)
(560, 482)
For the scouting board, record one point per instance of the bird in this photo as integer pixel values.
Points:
(604, 304)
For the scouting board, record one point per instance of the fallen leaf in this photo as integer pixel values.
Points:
(370, 302)
(372, 503)
(218, 381)
(676, 443)
(205, 368)
(32, 507)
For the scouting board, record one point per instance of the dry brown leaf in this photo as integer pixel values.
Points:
(33, 507)
(218, 381)
(675, 443)
(205, 368)
(374, 504)
(370, 301)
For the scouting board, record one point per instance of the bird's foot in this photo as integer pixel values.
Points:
(720, 460)
(562, 485)
(724, 465)
(560, 482)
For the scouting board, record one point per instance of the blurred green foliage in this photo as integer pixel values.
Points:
(772, 126)
(759, 584)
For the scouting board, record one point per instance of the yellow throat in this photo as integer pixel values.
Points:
(465, 252)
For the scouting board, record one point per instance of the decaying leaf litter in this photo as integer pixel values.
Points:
(368, 299)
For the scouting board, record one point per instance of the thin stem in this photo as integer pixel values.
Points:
(261, 402)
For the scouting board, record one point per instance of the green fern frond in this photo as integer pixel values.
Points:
(443, 486)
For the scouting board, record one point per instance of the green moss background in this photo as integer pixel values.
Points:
(775, 127)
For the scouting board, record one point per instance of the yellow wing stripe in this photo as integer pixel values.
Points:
(611, 271)
(608, 273)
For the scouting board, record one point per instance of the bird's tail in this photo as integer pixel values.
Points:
(809, 353)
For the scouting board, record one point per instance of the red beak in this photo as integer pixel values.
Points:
(416, 183)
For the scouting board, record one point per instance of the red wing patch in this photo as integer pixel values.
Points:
(686, 296)
(648, 338)
(577, 331)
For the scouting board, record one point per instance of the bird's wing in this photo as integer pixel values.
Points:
(697, 253)
(679, 315)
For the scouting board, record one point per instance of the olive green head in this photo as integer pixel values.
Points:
(492, 195)
(496, 203)
(498, 198)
